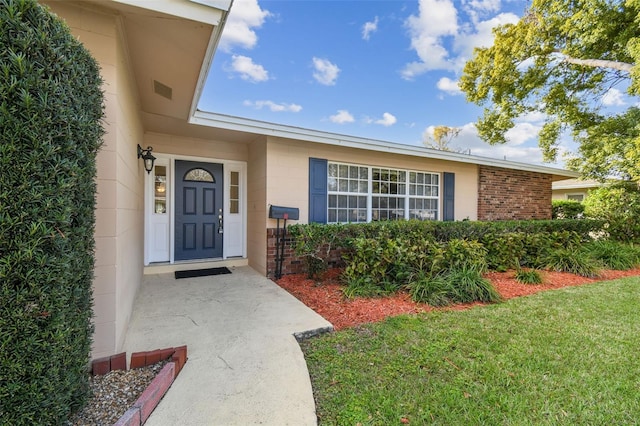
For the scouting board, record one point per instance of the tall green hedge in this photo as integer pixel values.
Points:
(51, 110)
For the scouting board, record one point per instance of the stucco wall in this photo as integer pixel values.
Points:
(118, 233)
(288, 171)
(195, 147)
(257, 207)
(507, 194)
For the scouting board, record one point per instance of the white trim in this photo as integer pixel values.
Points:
(278, 130)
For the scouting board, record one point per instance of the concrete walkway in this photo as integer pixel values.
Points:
(244, 364)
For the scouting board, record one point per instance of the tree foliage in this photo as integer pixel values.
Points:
(618, 205)
(50, 131)
(559, 60)
(442, 138)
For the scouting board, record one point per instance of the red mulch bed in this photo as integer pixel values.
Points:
(327, 299)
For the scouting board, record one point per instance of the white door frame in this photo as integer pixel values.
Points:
(234, 243)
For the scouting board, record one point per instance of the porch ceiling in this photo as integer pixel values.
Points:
(170, 43)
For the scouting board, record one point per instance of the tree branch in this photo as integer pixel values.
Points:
(600, 63)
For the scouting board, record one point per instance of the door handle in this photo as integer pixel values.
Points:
(220, 222)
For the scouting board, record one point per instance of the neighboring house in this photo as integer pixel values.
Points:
(206, 200)
(573, 189)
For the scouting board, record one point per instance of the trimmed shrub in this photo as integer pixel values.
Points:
(50, 131)
(567, 209)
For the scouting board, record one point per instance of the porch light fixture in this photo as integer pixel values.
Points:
(147, 157)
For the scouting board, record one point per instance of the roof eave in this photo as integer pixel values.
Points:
(271, 129)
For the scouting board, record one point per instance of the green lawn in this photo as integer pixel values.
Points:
(568, 356)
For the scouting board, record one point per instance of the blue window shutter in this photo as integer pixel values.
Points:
(317, 190)
(448, 192)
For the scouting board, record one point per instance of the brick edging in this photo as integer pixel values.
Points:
(151, 396)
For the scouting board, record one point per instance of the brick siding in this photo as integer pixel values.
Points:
(506, 194)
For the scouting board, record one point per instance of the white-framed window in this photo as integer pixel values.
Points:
(348, 187)
(358, 193)
(575, 197)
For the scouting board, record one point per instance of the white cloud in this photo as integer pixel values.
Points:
(368, 28)
(244, 17)
(449, 86)
(343, 116)
(441, 43)
(275, 107)
(436, 19)
(521, 133)
(484, 5)
(325, 72)
(613, 97)
(387, 120)
(469, 142)
(480, 36)
(244, 66)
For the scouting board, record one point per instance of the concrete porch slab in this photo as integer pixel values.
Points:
(245, 366)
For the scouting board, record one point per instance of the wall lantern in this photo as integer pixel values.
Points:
(147, 157)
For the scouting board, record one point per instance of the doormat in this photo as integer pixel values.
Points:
(202, 272)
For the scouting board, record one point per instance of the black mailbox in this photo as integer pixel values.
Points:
(279, 212)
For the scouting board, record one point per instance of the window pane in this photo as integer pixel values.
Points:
(333, 170)
(198, 175)
(353, 186)
(353, 172)
(342, 216)
(235, 178)
(344, 171)
(364, 173)
(233, 192)
(332, 184)
(333, 201)
(342, 201)
(234, 206)
(332, 216)
(353, 202)
(343, 185)
(363, 187)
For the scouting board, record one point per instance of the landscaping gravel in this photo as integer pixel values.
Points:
(113, 394)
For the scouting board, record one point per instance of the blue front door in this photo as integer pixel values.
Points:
(199, 213)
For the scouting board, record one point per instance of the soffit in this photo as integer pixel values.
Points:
(169, 51)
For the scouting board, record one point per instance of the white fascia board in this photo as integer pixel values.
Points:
(559, 185)
(203, 11)
(214, 40)
(271, 129)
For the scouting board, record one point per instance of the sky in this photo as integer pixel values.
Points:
(379, 69)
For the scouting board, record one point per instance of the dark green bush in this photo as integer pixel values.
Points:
(469, 286)
(567, 209)
(50, 131)
(460, 254)
(507, 242)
